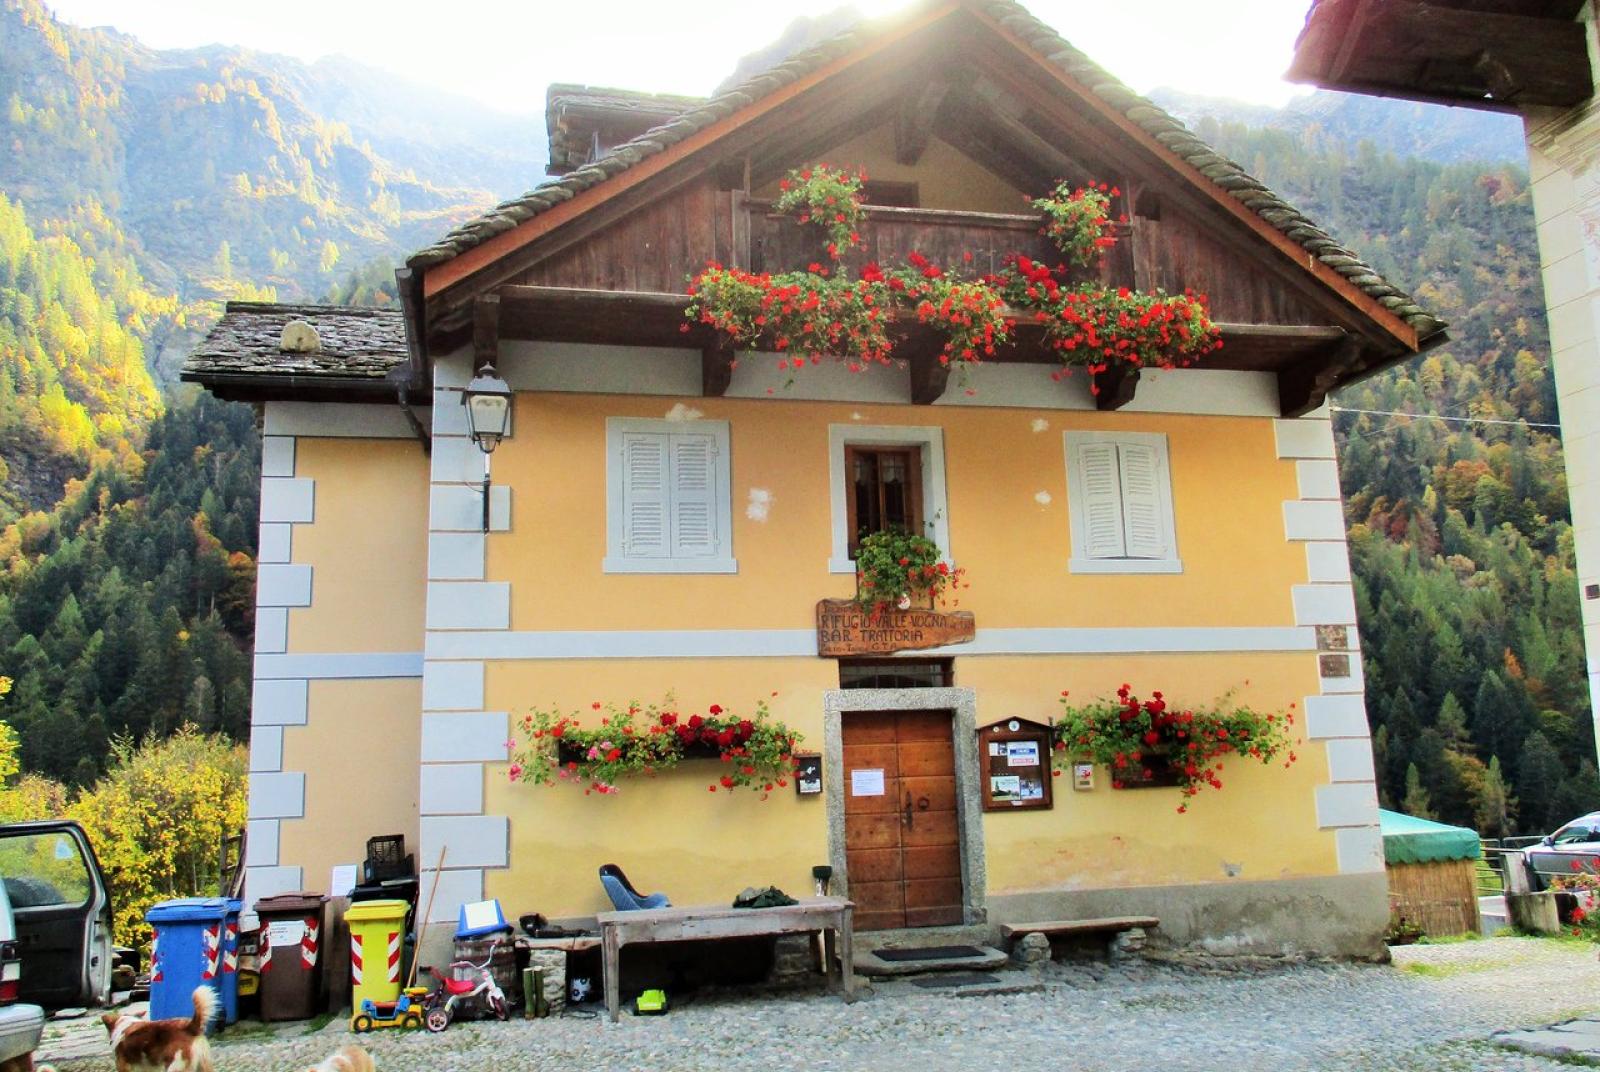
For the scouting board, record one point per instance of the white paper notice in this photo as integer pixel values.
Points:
(1022, 754)
(866, 783)
(341, 880)
(286, 932)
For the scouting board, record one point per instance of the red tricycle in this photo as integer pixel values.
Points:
(442, 1002)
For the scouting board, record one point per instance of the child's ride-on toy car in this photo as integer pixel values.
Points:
(407, 1012)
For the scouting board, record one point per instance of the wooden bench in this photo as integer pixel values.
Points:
(1066, 928)
(813, 914)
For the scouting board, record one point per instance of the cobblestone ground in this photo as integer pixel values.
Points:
(1432, 1010)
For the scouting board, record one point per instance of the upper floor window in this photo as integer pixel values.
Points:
(668, 500)
(884, 476)
(1119, 494)
(885, 490)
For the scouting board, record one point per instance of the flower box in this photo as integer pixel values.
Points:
(1152, 772)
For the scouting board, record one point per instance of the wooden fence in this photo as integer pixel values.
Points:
(1440, 897)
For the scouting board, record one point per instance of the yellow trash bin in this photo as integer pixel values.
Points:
(377, 935)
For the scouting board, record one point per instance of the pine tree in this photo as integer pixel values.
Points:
(1496, 720)
(1538, 784)
(1493, 805)
(1416, 801)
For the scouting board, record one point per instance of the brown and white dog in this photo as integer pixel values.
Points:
(349, 1059)
(176, 1045)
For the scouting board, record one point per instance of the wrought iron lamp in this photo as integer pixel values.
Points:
(488, 402)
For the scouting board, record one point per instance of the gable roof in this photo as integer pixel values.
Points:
(574, 115)
(362, 351)
(1226, 176)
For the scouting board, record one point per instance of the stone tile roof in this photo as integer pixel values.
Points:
(1166, 129)
(356, 344)
(573, 113)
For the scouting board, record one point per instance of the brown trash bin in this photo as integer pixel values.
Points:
(291, 953)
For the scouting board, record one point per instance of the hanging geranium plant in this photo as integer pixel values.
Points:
(632, 740)
(1140, 740)
(823, 312)
(895, 568)
(1079, 221)
(829, 198)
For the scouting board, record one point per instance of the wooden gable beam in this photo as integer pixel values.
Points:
(913, 125)
(1135, 150)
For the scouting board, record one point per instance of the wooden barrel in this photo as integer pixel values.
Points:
(503, 967)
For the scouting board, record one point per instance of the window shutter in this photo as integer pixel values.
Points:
(694, 496)
(1102, 500)
(645, 495)
(1141, 501)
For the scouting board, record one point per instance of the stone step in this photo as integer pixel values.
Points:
(978, 934)
(869, 963)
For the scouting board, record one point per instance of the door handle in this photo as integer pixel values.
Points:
(909, 822)
(922, 803)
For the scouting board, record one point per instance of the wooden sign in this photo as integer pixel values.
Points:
(844, 627)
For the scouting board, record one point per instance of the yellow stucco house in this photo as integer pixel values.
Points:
(409, 609)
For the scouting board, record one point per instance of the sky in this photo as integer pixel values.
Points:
(504, 52)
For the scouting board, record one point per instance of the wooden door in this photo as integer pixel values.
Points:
(902, 840)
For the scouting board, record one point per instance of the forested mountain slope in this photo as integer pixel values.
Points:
(1460, 537)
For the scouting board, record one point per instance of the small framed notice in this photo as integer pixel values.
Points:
(1017, 771)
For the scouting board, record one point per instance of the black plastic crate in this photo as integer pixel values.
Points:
(386, 858)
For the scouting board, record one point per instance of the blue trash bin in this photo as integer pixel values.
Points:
(188, 945)
(230, 960)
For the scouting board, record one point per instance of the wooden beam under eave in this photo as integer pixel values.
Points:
(716, 367)
(486, 331)
(1304, 386)
(923, 350)
(1114, 386)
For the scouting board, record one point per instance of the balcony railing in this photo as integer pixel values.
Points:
(973, 242)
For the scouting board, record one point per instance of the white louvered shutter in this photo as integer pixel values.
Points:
(645, 495)
(694, 495)
(1100, 491)
(1143, 516)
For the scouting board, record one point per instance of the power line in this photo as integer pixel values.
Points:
(1442, 417)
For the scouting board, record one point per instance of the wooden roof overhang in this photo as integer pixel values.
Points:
(1500, 55)
(1294, 353)
(1022, 104)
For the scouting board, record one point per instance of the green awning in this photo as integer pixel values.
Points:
(1409, 840)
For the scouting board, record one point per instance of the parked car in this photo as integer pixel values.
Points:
(62, 913)
(21, 1025)
(1573, 849)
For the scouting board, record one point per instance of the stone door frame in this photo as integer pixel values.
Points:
(963, 707)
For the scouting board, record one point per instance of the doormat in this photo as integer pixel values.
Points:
(941, 982)
(932, 952)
